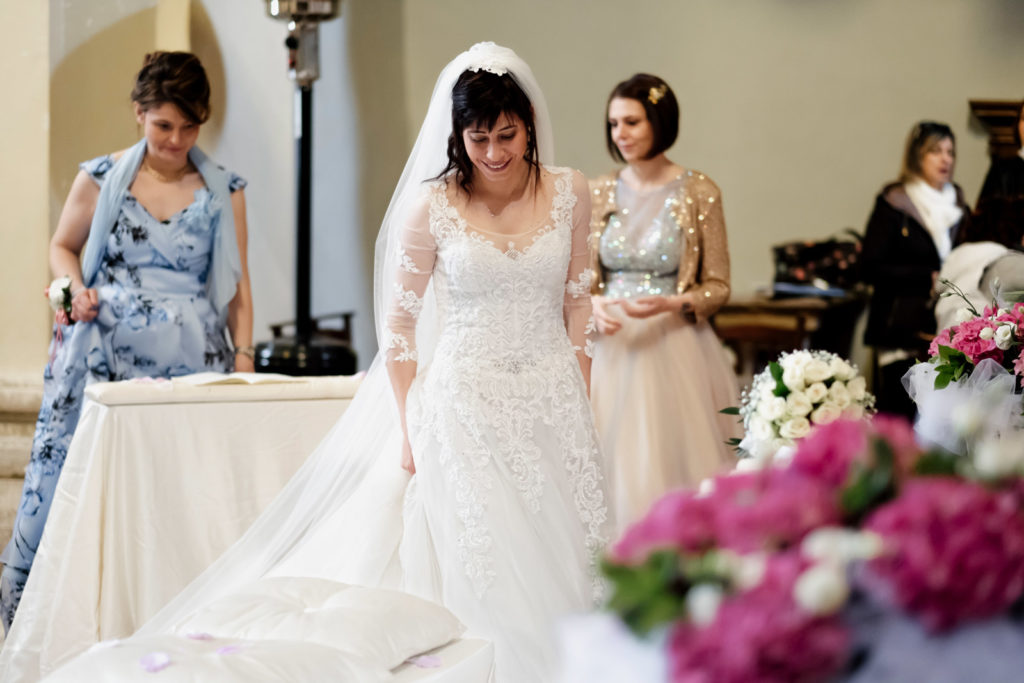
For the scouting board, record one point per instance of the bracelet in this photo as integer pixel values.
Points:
(247, 351)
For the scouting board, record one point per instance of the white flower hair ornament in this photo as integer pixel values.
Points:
(490, 57)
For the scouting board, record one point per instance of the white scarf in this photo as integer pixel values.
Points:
(938, 209)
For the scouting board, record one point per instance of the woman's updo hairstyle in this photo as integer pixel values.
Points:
(177, 78)
(662, 110)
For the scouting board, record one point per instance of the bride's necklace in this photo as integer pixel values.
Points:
(515, 196)
(168, 178)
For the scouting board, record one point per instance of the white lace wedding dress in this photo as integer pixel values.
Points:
(507, 511)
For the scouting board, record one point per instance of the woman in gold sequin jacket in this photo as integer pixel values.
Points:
(660, 262)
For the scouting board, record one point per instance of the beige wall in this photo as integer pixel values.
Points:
(798, 109)
(24, 214)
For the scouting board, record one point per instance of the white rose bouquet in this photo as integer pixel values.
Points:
(794, 394)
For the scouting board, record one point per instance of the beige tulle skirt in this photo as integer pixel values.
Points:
(657, 387)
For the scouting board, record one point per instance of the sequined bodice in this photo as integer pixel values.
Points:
(642, 244)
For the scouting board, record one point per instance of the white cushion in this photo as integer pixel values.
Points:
(384, 626)
(187, 660)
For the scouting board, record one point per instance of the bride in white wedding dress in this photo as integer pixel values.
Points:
(483, 311)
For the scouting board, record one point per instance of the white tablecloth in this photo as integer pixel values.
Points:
(160, 478)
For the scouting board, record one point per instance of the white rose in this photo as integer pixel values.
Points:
(702, 603)
(778, 443)
(798, 404)
(755, 463)
(783, 456)
(963, 315)
(793, 378)
(772, 409)
(857, 388)
(797, 360)
(994, 458)
(817, 392)
(967, 417)
(795, 428)
(853, 411)
(841, 369)
(760, 429)
(749, 570)
(839, 545)
(1004, 336)
(817, 371)
(987, 333)
(839, 394)
(825, 413)
(767, 391)
(822, 589)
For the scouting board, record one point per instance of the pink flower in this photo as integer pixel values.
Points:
(955, 551)
(968, 340)
(1018, 365)
(943, 338)
(760, 636)
(678, 520)
(827, 453)
(770, 509)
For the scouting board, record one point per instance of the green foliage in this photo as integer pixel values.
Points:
(870, 483)
(936, 463)
(651, 594)
(731, 410)
(780, 387)
(950, 365)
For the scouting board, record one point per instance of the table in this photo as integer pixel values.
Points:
(757, 328)
(160, 478)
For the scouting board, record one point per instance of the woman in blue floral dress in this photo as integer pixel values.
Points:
(153, 239)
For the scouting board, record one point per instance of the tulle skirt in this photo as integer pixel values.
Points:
(657, 387)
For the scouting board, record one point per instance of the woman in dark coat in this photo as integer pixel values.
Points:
(912, 229)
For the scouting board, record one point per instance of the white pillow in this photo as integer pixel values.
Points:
(174, 659)
(383, 626)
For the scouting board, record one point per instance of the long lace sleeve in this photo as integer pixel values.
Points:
(417, 251)
(579, 322)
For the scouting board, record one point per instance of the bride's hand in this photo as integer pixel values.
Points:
(606, 323)
(647, 306)
(407, 462)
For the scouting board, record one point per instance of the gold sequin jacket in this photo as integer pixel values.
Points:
(704, 265)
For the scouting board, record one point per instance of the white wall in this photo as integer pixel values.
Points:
(798, 109)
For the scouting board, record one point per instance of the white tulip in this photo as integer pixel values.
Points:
(795, 428)
(817, 392)
(825, 413)
(987, 333)
(839, 394)
(857, 388)
(822, 589)
(817, 371)
(702, 602)
(798, 404)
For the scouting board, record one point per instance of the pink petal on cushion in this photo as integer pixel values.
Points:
(426, 661)
(155, 661)
(198, 635)
(229, 649)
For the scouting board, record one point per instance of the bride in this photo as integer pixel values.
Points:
(483, 309)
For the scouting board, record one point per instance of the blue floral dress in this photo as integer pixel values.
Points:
(154, 320)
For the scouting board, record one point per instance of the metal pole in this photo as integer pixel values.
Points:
(303, 242)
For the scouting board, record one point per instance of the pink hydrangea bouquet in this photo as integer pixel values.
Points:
(762, 575)
(995, 333)
(795, 393)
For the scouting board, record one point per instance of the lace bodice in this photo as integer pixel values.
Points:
(500, 304)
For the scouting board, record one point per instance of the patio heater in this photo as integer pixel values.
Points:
(312, 350)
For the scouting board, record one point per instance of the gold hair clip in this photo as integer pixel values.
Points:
(656, 93)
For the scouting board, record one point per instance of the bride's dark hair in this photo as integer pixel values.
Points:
(481, 98)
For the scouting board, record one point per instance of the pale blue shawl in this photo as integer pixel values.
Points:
(225, 263)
